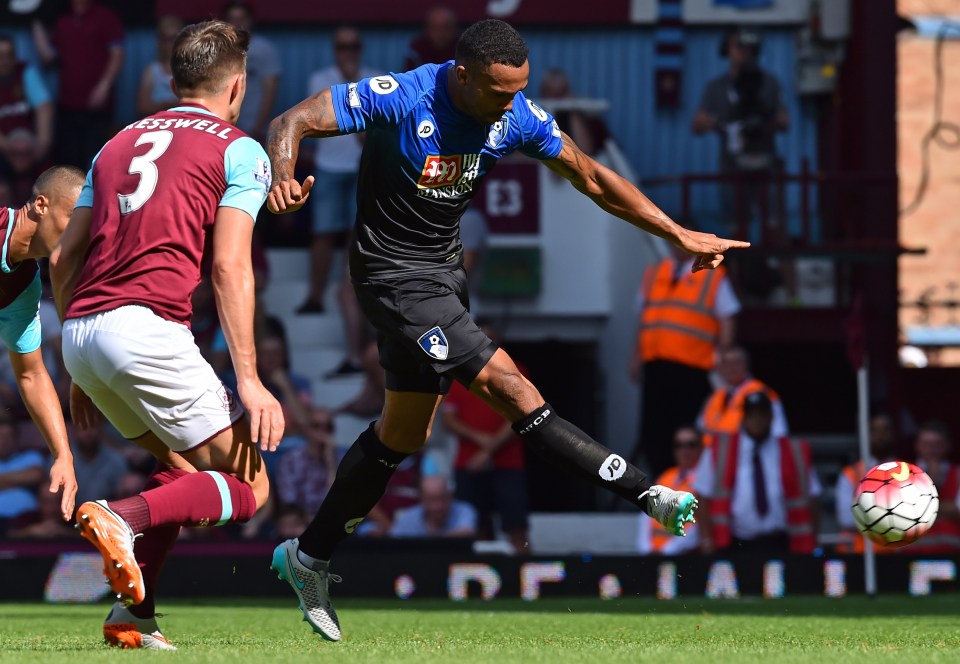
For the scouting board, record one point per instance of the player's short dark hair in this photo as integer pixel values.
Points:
(489, 42)
(204, 54)
(55, 179)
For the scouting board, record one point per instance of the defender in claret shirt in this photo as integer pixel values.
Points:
(432, 134)
(123, 276)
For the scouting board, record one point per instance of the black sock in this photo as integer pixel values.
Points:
(361, 480)
(576, 452)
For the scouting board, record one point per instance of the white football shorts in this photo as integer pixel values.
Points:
(145, 372)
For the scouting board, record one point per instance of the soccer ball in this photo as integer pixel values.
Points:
(895, 503)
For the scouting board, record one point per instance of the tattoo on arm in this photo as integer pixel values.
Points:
(314, 117)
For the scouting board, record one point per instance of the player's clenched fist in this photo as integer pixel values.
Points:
(289, 195)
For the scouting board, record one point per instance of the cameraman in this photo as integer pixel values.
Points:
(745, 107)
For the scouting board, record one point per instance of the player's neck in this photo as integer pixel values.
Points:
(216, 105)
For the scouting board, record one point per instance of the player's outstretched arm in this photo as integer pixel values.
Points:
(620, 198)
(314, 117)
(232, 279)
(66, 261)
(40, 398)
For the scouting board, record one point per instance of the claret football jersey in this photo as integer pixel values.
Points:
(20, 291)
(154, 190)
(422, 161)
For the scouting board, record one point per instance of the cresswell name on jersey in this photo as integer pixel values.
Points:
(207, 126)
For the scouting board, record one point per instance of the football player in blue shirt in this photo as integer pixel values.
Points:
(431, 134)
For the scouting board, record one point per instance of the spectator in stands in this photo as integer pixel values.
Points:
(489, 466)
(22, 163)
(403, 491)
(745, 108)
(932, 447)
(290, 521)
(21, 473)
(686, 318)
(437, 515)
(588, 130)
(155, 94)
(24, 100)
(763, 496)
(263, 73)
(87, 46)
(99, 468)
(304, 474)
(290, 388)
(652, 538)
(722, 413)
(438, 41)
(883, 444)
(50, 523)
(336, 161)
(6, 192)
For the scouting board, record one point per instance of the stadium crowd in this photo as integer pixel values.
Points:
(712, 427)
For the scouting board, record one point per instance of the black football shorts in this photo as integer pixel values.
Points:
(425, 333)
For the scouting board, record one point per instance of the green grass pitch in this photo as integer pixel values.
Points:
(811, 630)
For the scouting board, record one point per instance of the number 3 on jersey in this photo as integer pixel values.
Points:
(146, 169)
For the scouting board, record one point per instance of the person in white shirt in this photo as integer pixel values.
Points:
(336, 162)
(759, 505)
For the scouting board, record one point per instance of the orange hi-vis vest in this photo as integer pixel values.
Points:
(944, 536)
(795, 469)
(723, 412)
(669, 478)
(678, 323)
(853, 540)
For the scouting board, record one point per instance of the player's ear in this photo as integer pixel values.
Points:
(238, 86)
(462, 75)
(41, 204)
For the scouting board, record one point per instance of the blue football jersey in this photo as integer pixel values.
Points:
(422, 161)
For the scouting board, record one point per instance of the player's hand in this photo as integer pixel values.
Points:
(82, 411)
(266, 415)
(707, 248)
(62, 476)
(289, 195)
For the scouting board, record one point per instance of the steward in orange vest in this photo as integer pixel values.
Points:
(687, 447)
(678, 323)
(722, 414)
(795, 469)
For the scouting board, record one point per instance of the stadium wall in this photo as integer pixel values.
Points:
(437, 569)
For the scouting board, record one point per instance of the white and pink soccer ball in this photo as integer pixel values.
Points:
(895, 504)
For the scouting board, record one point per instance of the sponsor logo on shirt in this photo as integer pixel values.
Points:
(448, 176)
(498, 130)
(426, 129)
(383, 85)
(352, 97)
(539, 112)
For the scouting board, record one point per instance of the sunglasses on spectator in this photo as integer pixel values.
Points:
(690, 444)
(348, 46)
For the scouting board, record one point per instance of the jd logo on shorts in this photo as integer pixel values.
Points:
(434, 344)
(613, 468)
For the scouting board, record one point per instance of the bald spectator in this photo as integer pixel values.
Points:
(438, 41)
(437, 515)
